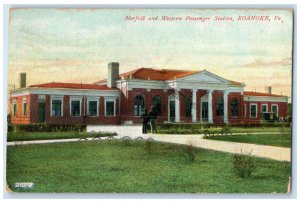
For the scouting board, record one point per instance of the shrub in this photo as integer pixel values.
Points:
(282, 129)
(44, 127)
(243, 166)
(190, 153)
(226, 130)
(126, 140)
(149, 145)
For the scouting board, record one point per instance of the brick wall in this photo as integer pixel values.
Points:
(127, 112)
(20, 118)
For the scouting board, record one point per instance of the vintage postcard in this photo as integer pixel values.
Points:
(149, 100)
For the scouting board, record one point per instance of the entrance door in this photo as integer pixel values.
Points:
(172, 111)
(204, 111)
(41, 112)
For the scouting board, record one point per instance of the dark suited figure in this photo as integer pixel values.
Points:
(153, 119)
(145, 120)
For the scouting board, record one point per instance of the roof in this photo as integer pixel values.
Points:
(158, 74)
(235, 83)
(154, 74)
(73, 86)
(260, 94)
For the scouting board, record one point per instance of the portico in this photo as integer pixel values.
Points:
(212, 105)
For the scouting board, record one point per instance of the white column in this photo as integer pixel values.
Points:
(225, 98)
(210, 112)
(194, 106)
(177, 106)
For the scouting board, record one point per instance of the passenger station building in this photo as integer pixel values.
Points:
(179, 96)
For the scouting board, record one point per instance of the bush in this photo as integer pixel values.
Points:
(149, 145)
(190, 153)
(226, 130)
(243, 166)
(44, 127)
(126, 140)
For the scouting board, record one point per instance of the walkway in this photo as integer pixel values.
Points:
(271, 152)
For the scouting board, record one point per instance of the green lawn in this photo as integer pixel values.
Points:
(115, 166)
(51, 135)
(195, 130)
(263, 139)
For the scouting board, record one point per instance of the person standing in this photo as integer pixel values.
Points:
(145, 120)
(153, 119)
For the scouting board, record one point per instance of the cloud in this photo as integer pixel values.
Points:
(260, 63)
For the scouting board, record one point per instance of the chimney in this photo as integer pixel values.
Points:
(22, 80)
(112, 74)
(270, 90)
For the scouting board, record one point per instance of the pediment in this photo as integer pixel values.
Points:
(204, 77)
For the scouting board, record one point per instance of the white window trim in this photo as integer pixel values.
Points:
(80, 103)
(62, 105)
(108, 99)
(245, 110)
(255, 111)
(277, 113)
(13, 109)
(24, 101)
(88, 106)
(262, 108)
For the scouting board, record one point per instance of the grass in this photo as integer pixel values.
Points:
(51, 135)
(111, 166)
(232, 129)
(263, 139)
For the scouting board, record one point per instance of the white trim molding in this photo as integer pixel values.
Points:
(96, 99)
(256, 110)
(64, 91)
(277, 113)
(24, 101)
(13, 108)
(75, 98)
(170, 98)
(110, 99)
(265, 99)
(61, 98)
(261, 108)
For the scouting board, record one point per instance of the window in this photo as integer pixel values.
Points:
(15, 108)
(92, 107)
(275, 109)
(138, 105)
(264, 108)
(234, 107)
(56, 107)
(253, 110)
(75, 107)
(156, 102)
(109, 108)
(220, 107)
(188, 107)
(24, 113)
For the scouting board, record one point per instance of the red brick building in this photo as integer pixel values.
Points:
(178, 96)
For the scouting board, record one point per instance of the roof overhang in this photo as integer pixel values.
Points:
(64, 91)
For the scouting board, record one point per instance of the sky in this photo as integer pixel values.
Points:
(75, 45)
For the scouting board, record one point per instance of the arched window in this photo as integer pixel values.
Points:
(138, 105)
(234, 107)
(156, 102)
(188, 107)
(220, 107)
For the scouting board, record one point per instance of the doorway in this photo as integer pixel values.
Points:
(41, 112)
(204, 111)
(172, 111)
